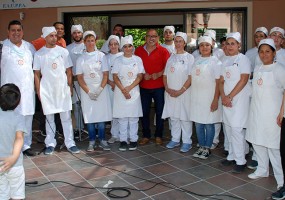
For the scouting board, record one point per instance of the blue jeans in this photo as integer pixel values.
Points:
(146, 97)
(91, 127)
(205, 134)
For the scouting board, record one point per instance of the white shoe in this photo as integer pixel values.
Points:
(255, 176)
(112, 140)
(214, 145)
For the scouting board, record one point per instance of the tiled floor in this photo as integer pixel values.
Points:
(146, 166)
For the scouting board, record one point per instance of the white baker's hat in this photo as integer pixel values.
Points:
(76, 28)
(113, 37)
(234, 35)
(89, 33)
(277, 29)
(48, 30)
(205, 39)
(262, 29)
(183, 35)
(126, 40)
(172, 28)
(211, 33)
(267, 41)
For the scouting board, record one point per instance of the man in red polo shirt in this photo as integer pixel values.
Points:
(154, 59)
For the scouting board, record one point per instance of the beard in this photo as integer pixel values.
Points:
(77, 40)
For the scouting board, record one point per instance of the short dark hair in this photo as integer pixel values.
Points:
(273, 50)
(14, 22)
(223, 39)
(119, 25)
(55, 23)
(10, 96)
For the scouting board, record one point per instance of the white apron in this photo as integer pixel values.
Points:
(110, 62)
(54, 90)
(123, 107)
(177, 107)
(202, 89)
(265, 106)
(237, 115)
(16, 67)
(99, 110)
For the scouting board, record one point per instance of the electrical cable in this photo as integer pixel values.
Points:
(127, 190)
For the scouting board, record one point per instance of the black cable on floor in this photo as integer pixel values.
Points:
(127, 190)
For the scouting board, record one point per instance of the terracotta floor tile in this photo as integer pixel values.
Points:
(47, 194)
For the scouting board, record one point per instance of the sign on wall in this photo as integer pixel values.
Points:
(20, 4)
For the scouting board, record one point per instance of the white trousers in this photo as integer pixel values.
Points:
(28, 136)
(218, 127)
(115, 128)
(65, 118)
(178, 126)
(263, 155)
(237, 144)
(131, 124)
(226, 139)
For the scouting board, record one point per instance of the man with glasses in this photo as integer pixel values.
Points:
(154, 59)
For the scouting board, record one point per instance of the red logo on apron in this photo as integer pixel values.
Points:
(228, 74)
(20, 62)
(54, 65)
(259, 81)
(130, 74)
(198, 72)
(172, 69)
(92, 75)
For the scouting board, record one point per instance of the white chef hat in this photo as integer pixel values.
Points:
(110, 38)
(183, 35)
(89, 33)
(277, 29)
(204, 38)
(47, 30)
(262, 29)
(234, 35)
(171, 28)
(267, 41)
(126, 40)
(113, 37)
(211, 33)
(76, 28)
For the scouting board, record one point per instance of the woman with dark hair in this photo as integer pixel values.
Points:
(266, 112)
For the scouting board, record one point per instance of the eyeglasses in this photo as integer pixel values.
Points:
(152, 36)
(127, 46)
(113, 44)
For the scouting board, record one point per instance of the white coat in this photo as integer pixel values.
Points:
(233, 67)
(268, 87)
(127, 70)
(54, 90)
(75, 50)
(16, 67)
(177, 70)
(203, 84)
(90, 66)
(108, 62)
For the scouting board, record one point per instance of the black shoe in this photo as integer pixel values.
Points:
(29, 152)
(228, 162)
(123, 146)
(238, 169)
(133, 146)
(279, 194)
(226, 153)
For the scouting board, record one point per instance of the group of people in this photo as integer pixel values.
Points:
(212, 87)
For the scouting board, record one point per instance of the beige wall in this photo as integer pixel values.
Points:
(260, 13)
(34, 20)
